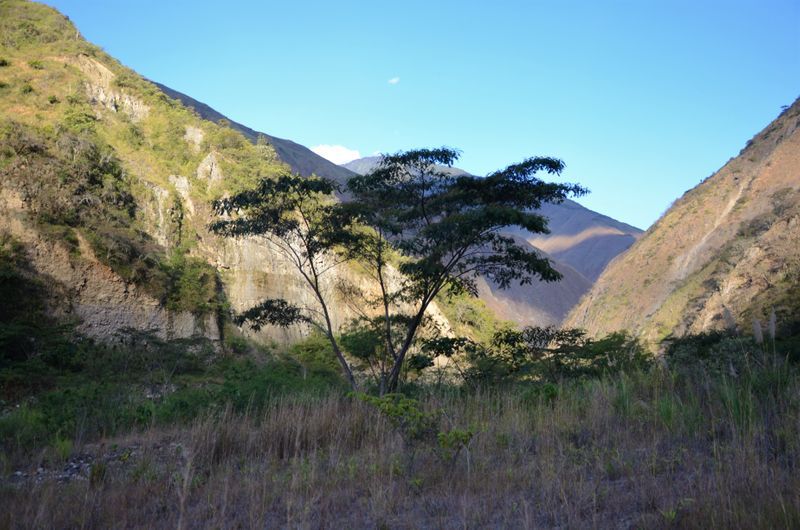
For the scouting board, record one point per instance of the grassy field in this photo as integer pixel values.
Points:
(693, 448)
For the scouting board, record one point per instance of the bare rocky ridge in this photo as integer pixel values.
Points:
(100, 91)
(731, 242)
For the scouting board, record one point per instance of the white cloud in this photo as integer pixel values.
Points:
(394, 80)
(338, 154)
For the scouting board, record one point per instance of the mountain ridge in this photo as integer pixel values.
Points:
(730, 243)
(300, 158)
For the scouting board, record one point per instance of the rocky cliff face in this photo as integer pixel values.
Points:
(91, 293)
(731, 242)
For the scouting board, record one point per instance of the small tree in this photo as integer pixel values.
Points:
(300, 218)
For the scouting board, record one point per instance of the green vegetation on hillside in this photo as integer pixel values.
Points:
(97, 153)
(469, 316)
(73, 186)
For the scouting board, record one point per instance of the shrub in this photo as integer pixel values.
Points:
(710, 351)
(192, 284)
(551, 354)
(314, 353)
(405, 414)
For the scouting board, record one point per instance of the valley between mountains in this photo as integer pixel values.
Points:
(203, 325)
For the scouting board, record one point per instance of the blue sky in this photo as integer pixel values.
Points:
(641, 99)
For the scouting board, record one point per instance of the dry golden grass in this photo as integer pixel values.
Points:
(640, 451)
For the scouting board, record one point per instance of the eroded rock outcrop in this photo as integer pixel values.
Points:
(83, 289)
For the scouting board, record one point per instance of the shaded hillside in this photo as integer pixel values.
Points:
(731, 242)
(582, 238)
(300, 158)
(537, 304)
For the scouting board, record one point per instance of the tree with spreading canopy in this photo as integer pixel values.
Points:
(416, 227)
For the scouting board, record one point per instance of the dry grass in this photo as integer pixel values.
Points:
(641, 451)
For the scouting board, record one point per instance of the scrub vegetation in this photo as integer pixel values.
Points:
(284, 444)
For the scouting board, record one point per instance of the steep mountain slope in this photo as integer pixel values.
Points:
(731, 242)
(300, 158)
(584, 239)
(537, 304)
(106, 182)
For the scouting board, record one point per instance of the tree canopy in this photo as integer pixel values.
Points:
(414, 225)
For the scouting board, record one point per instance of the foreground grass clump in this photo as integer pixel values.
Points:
(658, 448)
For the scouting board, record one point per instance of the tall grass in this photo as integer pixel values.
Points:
(635, 450)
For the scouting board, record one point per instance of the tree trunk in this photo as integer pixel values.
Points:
(397, 368)
(348, 373)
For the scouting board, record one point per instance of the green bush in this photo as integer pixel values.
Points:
(315, 353)
(717, 352)
(551, 355)
(192, 284)
(405, 414)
